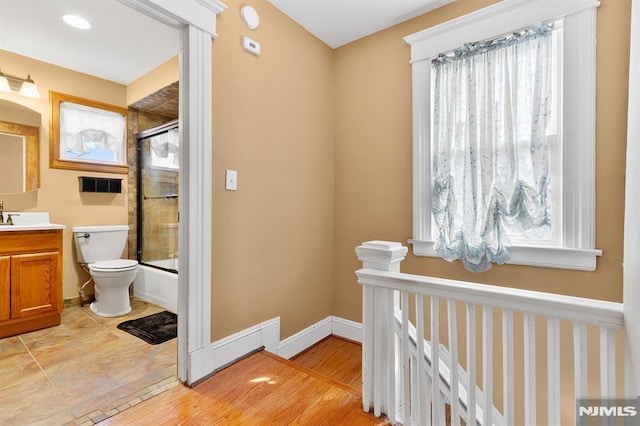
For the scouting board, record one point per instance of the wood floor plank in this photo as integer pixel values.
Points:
(258, 390)
(337, 358)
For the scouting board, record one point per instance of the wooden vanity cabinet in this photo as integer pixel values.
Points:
(30, 280)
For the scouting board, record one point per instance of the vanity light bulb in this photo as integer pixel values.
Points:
(29, 89)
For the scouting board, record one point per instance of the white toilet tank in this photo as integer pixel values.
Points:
(97, 243)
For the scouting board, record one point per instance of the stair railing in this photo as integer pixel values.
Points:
(399, 364)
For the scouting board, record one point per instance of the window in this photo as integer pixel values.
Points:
(87, 135)
(571, 243)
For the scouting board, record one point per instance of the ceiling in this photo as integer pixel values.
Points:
(123, 44)
(338, 22)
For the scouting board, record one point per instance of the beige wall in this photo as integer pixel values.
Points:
(59, 192)
(273, 122)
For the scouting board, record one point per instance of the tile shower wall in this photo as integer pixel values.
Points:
(152, 111)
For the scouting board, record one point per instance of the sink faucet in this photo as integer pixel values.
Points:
(10, 218)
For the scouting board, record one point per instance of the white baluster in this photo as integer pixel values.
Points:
(378, 364)
(453, 350)
(607, 363)
(580, 359)
(399, 362)
(435, 361)
(553, 370)
(415, 380)
(430, 384)
(471, 363)
(399, 373)
(368, 325)
(507, 367)
(487, 364)
(406, 359)
(391, 355)
(529, 370)
(421, 389)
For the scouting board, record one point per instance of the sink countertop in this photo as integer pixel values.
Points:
(30, 221)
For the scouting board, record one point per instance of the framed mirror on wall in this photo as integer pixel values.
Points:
(19, 156)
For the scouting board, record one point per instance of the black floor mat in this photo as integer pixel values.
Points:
(154, 329)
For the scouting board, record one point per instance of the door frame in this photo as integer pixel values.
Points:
(196, 22)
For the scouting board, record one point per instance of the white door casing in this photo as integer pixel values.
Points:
(631, 262)
(196, 20)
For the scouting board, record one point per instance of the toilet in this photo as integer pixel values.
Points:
(99, 249)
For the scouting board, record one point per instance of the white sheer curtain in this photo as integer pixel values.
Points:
(490, 151)
(79, 123)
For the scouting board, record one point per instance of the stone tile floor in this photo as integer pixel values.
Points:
(82, 371)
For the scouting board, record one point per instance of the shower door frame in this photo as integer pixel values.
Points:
(149, 133)
(196, 21)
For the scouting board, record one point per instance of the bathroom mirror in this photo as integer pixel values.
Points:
(19, 156)
(19, 148)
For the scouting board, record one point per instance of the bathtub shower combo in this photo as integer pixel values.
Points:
(157, 228)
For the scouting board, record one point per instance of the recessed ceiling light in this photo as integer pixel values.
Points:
(77, 21)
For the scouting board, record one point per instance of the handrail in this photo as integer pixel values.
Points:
(578, 309)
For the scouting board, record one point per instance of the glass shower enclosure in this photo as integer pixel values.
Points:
(158, 192)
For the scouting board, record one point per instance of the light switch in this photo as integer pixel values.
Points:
(231, 182)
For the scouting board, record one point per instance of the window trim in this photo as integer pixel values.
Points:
(58, 162)
(578, 127)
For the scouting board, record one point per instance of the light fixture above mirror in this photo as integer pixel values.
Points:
(24, 86)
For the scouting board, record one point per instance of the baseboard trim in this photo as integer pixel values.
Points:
(305, 338)
(311, 335)
(346, 328)
(208, 360)
(223, 352)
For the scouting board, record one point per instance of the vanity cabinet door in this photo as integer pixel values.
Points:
(5, 288)
(35, 286)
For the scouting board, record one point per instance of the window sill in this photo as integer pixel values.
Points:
(548, 257)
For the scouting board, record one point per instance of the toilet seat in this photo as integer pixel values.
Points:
(113, 265)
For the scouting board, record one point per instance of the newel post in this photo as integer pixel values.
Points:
(381, 255)
(378, 318)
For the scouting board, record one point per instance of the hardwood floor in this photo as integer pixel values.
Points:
(337, 358)
(259, 390)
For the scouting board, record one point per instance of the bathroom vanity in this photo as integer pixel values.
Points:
(30, 277)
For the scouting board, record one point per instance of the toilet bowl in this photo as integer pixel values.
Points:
(99, 249)
(112, 279)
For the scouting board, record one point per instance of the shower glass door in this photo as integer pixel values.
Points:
(158, 171)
